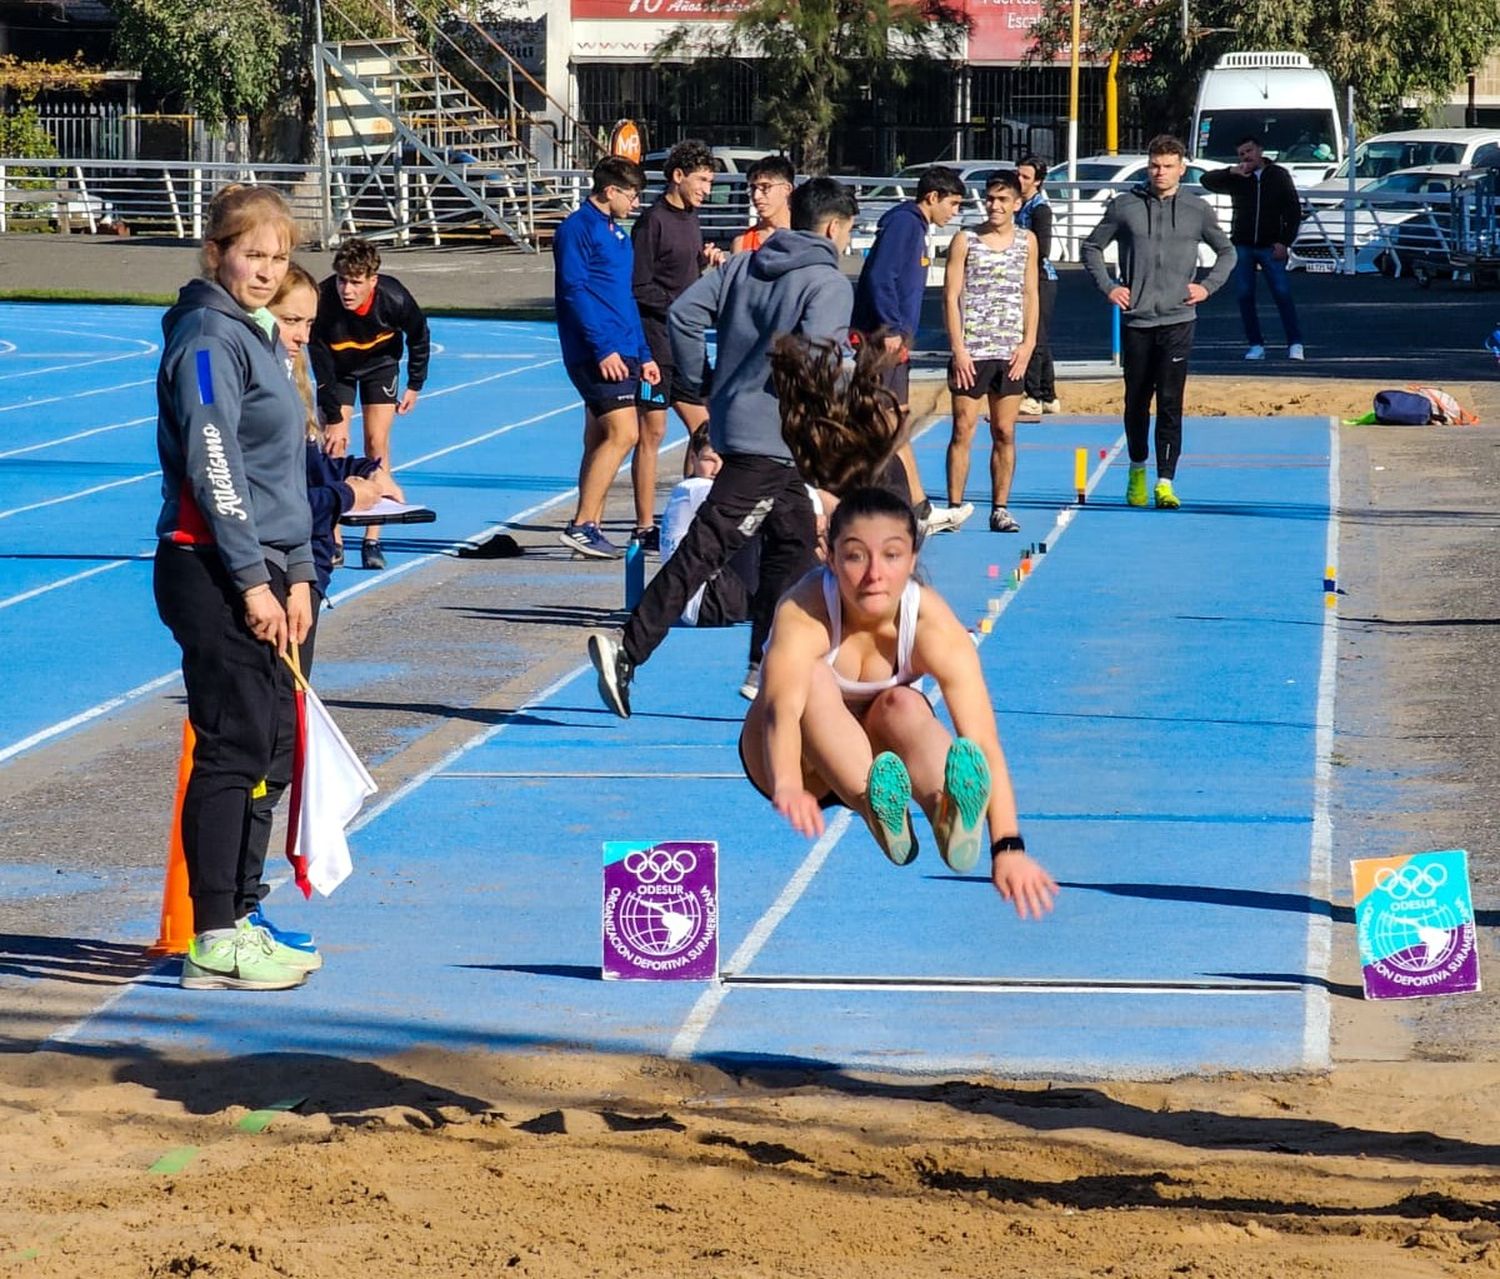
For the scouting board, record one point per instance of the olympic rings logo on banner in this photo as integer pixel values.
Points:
(1411, 881)
(661, 865)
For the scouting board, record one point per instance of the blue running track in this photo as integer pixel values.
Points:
(1164, 689)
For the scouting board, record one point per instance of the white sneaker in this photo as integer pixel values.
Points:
(1295, 352)
(751, 685)
(1052, 406)
(1030, 407)
(948, 519)
(1256, 353)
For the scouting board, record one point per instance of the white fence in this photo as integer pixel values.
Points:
(1390, 233)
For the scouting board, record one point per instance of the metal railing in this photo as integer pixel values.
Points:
(1391, 233)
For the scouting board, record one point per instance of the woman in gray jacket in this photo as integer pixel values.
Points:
(233, 563)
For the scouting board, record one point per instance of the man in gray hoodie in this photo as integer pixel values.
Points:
(1158, 228)
(792, 284)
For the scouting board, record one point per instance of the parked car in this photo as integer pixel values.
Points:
(1388, 153)
(1399, 219)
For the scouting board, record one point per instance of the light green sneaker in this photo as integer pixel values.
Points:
(966, 796)
(888, 792)
(307, 961)
(1135, 487)
(242, 961)
(1166, 500)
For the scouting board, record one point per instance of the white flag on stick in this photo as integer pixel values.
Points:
(329, 784)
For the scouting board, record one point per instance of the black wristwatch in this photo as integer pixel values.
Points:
(1007, 844)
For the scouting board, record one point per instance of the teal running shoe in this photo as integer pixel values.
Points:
(966, 798)
(888, 793)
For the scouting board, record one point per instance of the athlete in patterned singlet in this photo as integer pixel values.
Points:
(990, 307)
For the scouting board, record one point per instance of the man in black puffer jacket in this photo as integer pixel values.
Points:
(1267, 213)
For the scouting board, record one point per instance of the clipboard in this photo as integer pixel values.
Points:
(387, 511)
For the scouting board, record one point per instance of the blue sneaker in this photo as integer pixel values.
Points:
(283, 936)
(587, 539)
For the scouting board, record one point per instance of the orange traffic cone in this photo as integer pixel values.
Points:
(176, 905)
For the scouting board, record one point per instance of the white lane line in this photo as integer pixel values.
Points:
(77, 435)
(488, 435)
(523, 774)
(83, 717)
(418, 780)
(374, 580)
(493, 377)
(68, 581)
(1317, 1035)
(685, 1042)
(75, 395)
(73, 497)
(82, 363)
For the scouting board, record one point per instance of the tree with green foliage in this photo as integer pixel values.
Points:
(811, 50)
(222, 60)
(1391, 51)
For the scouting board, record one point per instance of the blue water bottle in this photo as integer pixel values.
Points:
(635, 573)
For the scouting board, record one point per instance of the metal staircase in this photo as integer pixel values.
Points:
(411, 154)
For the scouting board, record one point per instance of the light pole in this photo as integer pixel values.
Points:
(1073, 91)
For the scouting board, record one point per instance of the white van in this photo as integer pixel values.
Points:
(1280, 98)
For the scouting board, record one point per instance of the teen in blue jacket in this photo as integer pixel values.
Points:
(888, 298)
(603, 346)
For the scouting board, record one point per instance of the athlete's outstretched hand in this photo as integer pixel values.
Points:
(800, 808)
(1023, 883)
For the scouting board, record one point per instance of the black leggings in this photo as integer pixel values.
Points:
(750, 494)
(234, 684)
(1156, 362)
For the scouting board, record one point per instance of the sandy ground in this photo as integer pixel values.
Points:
(574, 1165)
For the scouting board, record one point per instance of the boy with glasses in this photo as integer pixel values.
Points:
(769, 183)
(603, 346)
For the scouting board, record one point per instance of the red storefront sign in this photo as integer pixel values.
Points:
(1001, 30)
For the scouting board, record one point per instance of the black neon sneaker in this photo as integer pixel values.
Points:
(615, 670)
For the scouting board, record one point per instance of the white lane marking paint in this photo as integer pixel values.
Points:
(73, 497)
(489, 435)
(84, 362)
(1317, 1042)
(83, 717)
(417, 781)
(685, 1042)
(75, 395)
(68, 581)
(44, 735)
(77, 435)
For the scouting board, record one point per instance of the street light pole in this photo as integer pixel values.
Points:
(1073, 91)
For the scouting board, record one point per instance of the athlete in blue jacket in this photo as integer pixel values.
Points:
(604, 349)
(888, 298)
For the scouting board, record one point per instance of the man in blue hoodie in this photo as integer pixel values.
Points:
(1158, 227)
(792, 284)
(888, 301)
(603, 345)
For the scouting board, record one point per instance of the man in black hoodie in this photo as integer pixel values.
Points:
(1267, 213)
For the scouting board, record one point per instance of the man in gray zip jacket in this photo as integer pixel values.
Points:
(792, 284)
(1158, 228)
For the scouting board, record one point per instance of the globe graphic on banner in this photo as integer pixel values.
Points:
(660, 926)
(1418, 943)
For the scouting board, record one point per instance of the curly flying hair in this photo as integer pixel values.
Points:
(841, 425)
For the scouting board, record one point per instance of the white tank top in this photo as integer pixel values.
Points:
(861, 691)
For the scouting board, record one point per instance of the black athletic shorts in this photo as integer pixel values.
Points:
(380, 384)
(605, 397)
(991, 377)
(671, 389)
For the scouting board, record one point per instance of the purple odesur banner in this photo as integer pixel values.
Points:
(1415, 919)
(661, 910)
